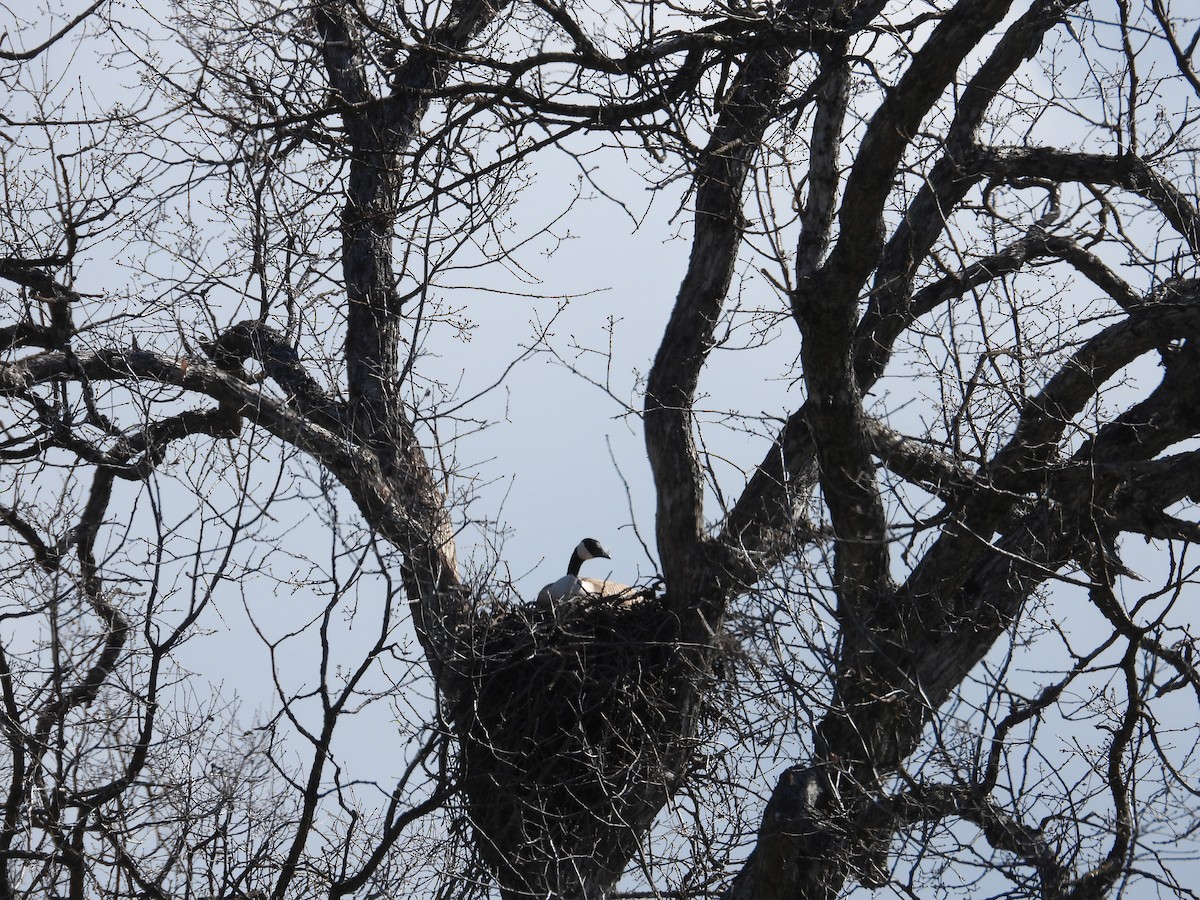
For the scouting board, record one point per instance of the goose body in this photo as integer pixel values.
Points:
(571, 586)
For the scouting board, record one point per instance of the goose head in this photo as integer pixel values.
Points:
(588, 548)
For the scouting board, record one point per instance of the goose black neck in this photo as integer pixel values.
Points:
(576, 562)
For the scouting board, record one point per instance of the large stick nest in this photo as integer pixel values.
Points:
(575, 730)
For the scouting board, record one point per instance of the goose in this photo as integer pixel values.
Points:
(571, 585)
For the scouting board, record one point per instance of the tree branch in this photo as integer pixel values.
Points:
(672, 382)
(1125, 170)
(888, 313)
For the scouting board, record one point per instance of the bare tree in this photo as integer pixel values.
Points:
(925, 629)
